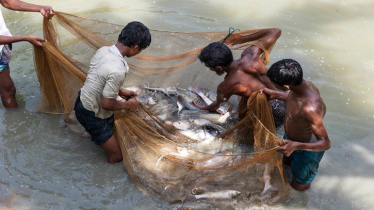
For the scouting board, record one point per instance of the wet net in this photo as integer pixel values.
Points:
(238, 168)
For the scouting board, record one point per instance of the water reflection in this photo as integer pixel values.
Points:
(43, 166)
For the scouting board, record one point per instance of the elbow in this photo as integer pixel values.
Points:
(328, 145)
(105, 103)
(277, 32)
(6, 4)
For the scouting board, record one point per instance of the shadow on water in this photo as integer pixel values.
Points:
(65, 157)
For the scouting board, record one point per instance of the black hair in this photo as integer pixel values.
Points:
(135, 33)
(286, 72)
(216, 54)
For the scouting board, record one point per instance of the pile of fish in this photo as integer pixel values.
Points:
(175, 106)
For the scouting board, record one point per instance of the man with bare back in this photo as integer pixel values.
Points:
(245, 75)
(305, 138)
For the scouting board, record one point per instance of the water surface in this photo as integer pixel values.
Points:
(42, 166)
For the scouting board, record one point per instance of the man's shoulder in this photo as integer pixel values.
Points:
(105, 56)
(103, 50)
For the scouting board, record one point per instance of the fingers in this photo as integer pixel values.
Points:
(47, 12)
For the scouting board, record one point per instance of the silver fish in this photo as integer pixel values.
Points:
(212, 117)
(167, 91)
(224, 108)
(225, 194)
(190, 96)
(186, 104)
(182, 124)
(266, 177)
(218, 160)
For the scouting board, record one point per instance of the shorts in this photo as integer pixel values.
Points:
(100, 129)
(304, 164)
(6, 55)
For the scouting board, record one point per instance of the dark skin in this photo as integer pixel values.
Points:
(247, 74)
(7, 87)
(111, 147)
(303, 122)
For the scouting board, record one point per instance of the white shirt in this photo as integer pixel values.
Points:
(3, 29)
(107, 74)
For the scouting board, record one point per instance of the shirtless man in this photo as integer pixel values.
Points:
(245, 75)
(305, 138)
(7, 88)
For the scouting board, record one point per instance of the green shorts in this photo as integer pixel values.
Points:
(304, 164)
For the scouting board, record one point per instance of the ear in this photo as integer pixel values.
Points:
(134, 47)
(286, 86)
(219, 68)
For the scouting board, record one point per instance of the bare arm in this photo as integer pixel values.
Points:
(266, 37)
(273, 94)
(11, 39)
(17, 5)
(222, 98)
(126, 94)
(314, 115)
(113, 104)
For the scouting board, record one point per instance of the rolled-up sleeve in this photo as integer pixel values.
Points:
(114, 81)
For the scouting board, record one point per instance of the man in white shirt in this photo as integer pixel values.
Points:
(7, 88)
(97, 98)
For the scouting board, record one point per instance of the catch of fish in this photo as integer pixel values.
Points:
(175, 106)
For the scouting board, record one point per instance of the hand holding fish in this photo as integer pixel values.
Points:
(211, 107)
(133, 104)
(127, 94)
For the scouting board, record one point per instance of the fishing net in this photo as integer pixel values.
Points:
(232, 170)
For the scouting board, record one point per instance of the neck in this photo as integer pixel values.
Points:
(299, 90)
(233, 66)
(123, 49)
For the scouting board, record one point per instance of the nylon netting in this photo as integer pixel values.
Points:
(161, 161)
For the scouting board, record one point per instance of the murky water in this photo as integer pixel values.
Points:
(42, 166)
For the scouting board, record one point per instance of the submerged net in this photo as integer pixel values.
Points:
(163, 162)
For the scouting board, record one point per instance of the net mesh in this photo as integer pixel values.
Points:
(164, 163)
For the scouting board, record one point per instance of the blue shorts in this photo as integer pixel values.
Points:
(100, 129)
(5, 56)
(304, 164)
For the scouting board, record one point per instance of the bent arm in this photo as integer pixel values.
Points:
(266, 37)
(17, 5)
(273, 94)
(222, 97)
(126, 94)
(323, 142)
(114, 105)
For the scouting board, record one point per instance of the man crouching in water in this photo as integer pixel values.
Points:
(305, 138)
(97, 99)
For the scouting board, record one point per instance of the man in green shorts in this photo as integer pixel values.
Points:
(305, 138)
(97, 99)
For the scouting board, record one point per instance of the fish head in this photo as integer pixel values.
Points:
(182, 125)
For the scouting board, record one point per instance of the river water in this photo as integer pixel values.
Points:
(42, 166)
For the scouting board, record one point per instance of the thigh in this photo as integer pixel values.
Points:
(100, 129)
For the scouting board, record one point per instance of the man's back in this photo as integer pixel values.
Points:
(106, 74)
(245, 78)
